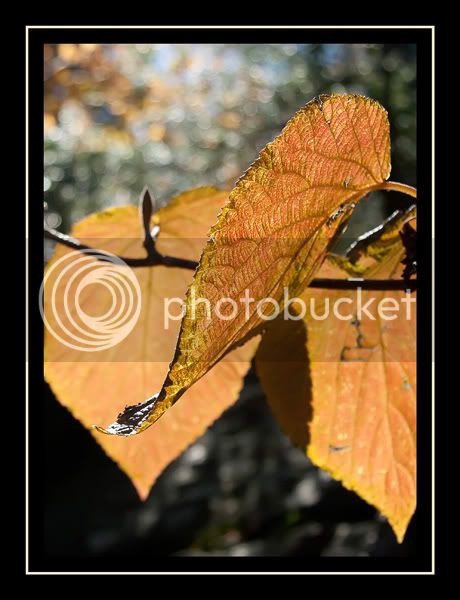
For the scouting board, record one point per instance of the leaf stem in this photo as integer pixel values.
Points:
(395, 186)
(377, 285)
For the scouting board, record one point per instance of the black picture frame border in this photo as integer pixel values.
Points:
(37, 560)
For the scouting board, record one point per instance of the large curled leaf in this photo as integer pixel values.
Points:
(273, 234)
(345, 391)
(94, 385)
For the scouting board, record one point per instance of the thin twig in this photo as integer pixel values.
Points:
(155, 258)
(183, 263)
(377, 285)
(152, 260)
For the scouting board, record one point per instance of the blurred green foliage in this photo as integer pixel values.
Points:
(118, 117)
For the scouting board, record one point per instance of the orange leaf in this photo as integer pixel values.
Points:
(347, 391)
(94, 385)
(273, 234)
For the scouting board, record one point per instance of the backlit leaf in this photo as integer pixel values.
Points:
(95, 385)
(345, 389)
(273, 234)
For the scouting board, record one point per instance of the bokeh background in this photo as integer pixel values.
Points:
(118, 117)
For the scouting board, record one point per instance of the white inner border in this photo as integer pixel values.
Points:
(28, 27)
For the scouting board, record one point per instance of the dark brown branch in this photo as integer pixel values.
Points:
(378, 285)
(151, 260)
(155, 259)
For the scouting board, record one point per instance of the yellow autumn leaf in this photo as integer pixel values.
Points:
(94, 385)
(273, 234)
(345, 390)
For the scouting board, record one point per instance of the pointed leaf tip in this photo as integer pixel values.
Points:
(132, 420)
